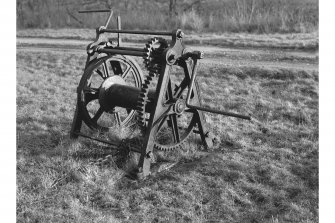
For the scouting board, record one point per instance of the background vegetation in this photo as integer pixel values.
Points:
(260, 16)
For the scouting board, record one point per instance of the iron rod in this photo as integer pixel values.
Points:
(194, 71)
(96, 10)
(129, 48)
(112, 143)
(119, 28)
(123, 52)
(109, 18)
(137, 32)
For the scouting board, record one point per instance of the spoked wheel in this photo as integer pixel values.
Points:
(175, 128)
(95, 117)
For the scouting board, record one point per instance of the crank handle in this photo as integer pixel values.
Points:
(101, 29)
(195, 55)
(95, 10)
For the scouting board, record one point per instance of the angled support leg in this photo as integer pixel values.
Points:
(155, 117)
(76, 123)
(195, 94)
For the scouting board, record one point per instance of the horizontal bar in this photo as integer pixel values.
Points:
(219, 112)
(157, 33)
(112, 143)
(116, 144)
(97, 10)
(123, 52)
(129, 48)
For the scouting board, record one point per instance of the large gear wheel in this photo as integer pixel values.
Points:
(181, 124)
(175, 129)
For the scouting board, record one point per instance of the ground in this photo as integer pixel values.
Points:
(264, 170)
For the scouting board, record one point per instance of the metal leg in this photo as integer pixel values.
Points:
(200, 117)
(159, 110)
(76, 124)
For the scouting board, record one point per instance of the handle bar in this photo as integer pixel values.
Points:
(96, 10)
(100, 10)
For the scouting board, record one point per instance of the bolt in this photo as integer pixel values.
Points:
(201, 56)
(149, 155)
(180, 34)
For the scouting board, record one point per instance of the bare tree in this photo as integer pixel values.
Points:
(172, 8)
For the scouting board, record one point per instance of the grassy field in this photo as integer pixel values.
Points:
(262, 171)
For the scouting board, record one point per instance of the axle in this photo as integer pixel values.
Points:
(114, 92)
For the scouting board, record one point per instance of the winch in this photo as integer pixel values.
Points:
(166, 104)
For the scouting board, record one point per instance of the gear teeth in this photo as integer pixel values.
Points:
(167, 148)
(143, 97)
(147, 82)
(149, 79)
(153, 67)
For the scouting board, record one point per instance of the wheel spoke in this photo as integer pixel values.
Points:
(106, 69)
(91, 90)
(126, 72)
(170, 92)
(98, 115)
(161, 123)
(116, 66)
(101, 74)
(183, 85)
(91, 94)
(174, 127)
(117, 118)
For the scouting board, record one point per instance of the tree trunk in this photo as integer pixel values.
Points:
(172, 8)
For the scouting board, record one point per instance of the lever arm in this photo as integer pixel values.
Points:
(198, 55)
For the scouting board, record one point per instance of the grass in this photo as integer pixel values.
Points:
(262, 171)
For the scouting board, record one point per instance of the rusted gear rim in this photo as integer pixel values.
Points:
(172, 147)
(153, 67)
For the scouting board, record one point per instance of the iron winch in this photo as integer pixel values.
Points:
(166, 104)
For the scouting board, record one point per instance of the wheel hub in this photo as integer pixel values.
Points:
(179, 106)
(107, 84)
